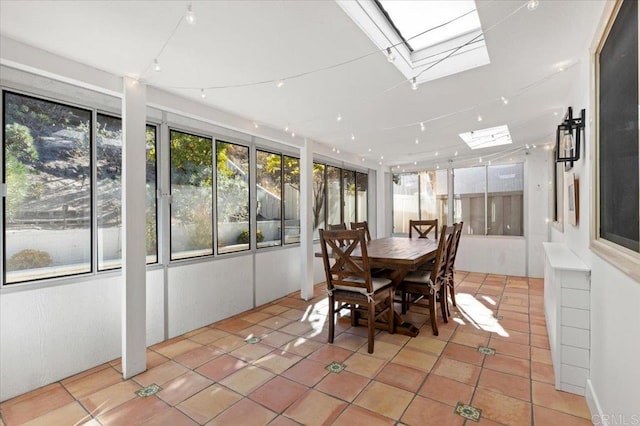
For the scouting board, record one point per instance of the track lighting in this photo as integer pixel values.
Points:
(414, 85)
(202, 94)
(390, 56)
(533, 4)
(156, 65)
(190, 16)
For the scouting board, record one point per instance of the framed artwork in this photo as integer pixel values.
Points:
(573, 198)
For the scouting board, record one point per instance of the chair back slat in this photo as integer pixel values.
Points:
(362, 225)
(339, 245)
(423, 227)
(453, 251)
(440, 262)
(337, 227)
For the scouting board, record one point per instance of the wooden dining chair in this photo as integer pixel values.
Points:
(349, 281)
(362, 225)
(423, 228)
(451, 259)
(430, 284)
(337, 227)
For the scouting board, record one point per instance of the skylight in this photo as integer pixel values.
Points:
(456, 45)
(486, 138)
(411, 18)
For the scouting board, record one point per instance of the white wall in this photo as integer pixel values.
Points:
(613, 388)
(284, 274)
(492, 254)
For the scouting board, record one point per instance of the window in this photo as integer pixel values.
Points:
(469, 185)
(349, 196)
(405, 201)
(47, 172)
(319, 198)
(269, 195)
(151, 226)
(616, 232)
(291, 200)
(334, 194)
(191, 195)
(419, 196)
(362, 185)
(504, 199)
(617, 161)
(232, 163)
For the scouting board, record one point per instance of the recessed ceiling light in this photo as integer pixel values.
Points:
(415, 163)
(369, 150)
(533, 4)
(339, 117)
(353, 137)
(190, 16)
(279, 83)
(414, 84)
(485, 138)
(479, 117)
(504, 100)
(421, 126)
(156, 65)
(417, 141)
(436, 154)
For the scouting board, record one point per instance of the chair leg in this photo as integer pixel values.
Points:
(371, 326)
(444, 302)
(404, 303)
(331, 318)
(392, 326)
(432, 312)
(354, 315)
(452, 289)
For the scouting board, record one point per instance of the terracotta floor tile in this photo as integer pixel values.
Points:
(468, 339)
(401, 376)
(228, 343)
(277, 361)
(512, 336)
(247, 379)
(384, 399)
(540, 341)
(351, 341)
(170, 416)
(276, 322)
(219, 368)
(274, 309)
(330, 353)
(298, 328)
(135, 411)
(34, 404)
(315, 408)
(503, 347)
(167, 343)
(546, 416)
(426, 344)
(182, 387)
(307, 372)
(232, 325)
(110, 397)
(178, 348)
(255, 330)
(302, 346)
(541, 355)
(506, 384)
(463, 353)
(514, 308)
(160, 374)
(245, 413)
(278, 393)
(343, 385)
(542, 372)
(424, 411)
(154, 359)
(513, 324)
(209, 336)
(276, 338)
(93, 382)
(69, 414)
(85, 373)
(256, 317)
(514, 316)
(364, 365)
(502, 408)
(357, 416)
(508, 364)
(197, 357)
(208, 403)
(445, 390)
(292, 314)
(196, 331)
(415, 359)
(547, 396)
(249, 353)
(456, 370)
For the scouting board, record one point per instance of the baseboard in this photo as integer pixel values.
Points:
(594, 405)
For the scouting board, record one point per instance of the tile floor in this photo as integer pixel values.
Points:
(269, 366)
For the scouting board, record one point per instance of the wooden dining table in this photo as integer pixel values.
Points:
(398, 256)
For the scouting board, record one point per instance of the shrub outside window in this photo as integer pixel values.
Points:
(232, 165)
(47, 171)
(291, 200)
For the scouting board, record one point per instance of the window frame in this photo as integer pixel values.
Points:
(624, 259)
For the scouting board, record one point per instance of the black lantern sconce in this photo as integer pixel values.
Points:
(568, 136)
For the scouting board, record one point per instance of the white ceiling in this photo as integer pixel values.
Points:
(240, 42)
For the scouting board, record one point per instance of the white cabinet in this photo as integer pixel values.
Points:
(567, 310)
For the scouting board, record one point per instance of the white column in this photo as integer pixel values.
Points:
(306, 220)
(134, 357)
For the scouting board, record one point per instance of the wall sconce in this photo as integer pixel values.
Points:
(568, 138)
